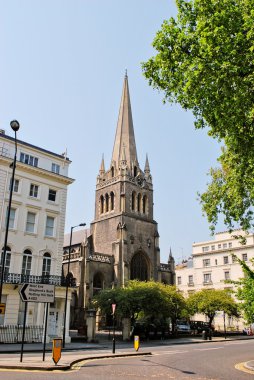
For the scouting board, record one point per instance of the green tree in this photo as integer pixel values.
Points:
(210, 301)
(205, 63)
(245, 291)
(151, 300)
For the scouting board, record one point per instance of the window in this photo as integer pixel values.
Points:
(191, 279)
(30, 222)
(46, 264)
(139, 202)
(49, 231)
(52, 195)
(229, 245)
(26, 262)
(207, 278)
(15, 185)
(179, 280)
(102, 204)
(33, 190)
(106, 202)
(206, 262)
(224, 245)
(234, 258)
(216, 261)
(55, 168)
(144, 204)
(7, 260)
(205, 249)
(225, 260)
(213, 247)
(133, 201)
(12, 218)
(244, 257)
(219, 246)
(112, 201)
(27, 159)
(227, 275)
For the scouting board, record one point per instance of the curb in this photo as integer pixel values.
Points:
(67, 367)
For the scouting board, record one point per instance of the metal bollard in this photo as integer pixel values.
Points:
(204, 335)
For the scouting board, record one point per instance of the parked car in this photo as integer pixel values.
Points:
(199, 326)
(183, 328)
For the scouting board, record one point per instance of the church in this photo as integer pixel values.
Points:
(123, 240)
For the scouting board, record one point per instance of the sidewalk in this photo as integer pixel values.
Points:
(77, 351)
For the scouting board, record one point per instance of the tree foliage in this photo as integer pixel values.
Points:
(210, 301)
(245, 291)
(151, 299)
(205, 63)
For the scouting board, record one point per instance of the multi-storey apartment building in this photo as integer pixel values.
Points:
(36, 229)
(212, 263)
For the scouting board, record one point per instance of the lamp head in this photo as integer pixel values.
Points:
(82, 224)
(14, 125)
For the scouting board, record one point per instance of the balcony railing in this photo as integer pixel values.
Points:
(17, 278)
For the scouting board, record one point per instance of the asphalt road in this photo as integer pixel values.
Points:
(190, 361)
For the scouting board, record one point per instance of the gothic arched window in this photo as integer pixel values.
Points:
(106, 202)
(112, 171)
(26, 262)
(133, 201)
(112, 200)
(135, 172)
(144, 206)
(139, 267)
(102, 204)
(139, 202)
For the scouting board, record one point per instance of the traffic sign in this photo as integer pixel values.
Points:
(37, 293)
(2, 308)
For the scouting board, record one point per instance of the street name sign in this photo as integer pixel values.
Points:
(43, 293)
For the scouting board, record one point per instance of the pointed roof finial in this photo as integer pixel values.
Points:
(102, 168)
(147, 166)
(126, 75)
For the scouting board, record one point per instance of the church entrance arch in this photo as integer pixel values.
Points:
(139, 267)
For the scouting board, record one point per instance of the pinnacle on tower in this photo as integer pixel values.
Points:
(147, 166)
(102, 168)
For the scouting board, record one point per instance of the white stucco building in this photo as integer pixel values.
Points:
(211, 264)
(36, 229)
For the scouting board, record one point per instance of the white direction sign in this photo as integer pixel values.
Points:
(37, 293)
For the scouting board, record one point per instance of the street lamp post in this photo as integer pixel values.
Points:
(15, 127)
(67, 279)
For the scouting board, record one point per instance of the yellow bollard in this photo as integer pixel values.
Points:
(57, 350)
(136, 342)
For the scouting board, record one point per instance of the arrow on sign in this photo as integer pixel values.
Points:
(22, 293)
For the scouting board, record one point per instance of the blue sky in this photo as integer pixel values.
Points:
(61, 75)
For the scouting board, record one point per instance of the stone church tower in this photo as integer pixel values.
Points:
(123, 241)
(123, 224)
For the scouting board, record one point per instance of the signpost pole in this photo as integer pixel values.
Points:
(23, 333)
(45, 331)
(114, 340)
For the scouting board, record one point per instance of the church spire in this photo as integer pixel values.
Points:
(124, 137)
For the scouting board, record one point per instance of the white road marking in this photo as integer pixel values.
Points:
(168, 353)
(208, 349)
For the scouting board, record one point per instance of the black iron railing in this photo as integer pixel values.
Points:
(17, 278)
